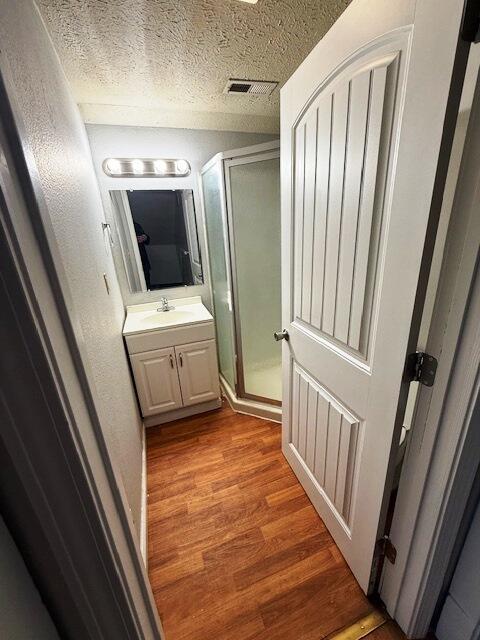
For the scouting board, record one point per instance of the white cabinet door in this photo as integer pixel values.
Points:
(362, 129)
(197, 368)
(157, 381)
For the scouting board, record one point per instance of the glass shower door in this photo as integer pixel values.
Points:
(253, 198)
(215, 222)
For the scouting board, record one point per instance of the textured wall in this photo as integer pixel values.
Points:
(460, 617)
(166, 62)
(23, 615)
(56, 136)
(195, 146)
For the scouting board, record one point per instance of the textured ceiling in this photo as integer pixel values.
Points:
(166, 62)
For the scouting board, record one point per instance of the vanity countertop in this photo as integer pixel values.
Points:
(146, 317)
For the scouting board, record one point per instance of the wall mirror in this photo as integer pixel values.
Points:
(157, 231)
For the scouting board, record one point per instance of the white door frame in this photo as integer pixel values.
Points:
(123, 215)
(127, 212)
(442, 455)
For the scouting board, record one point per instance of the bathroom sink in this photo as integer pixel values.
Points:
(147, 317)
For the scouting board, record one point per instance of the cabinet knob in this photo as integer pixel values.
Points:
(171, 362)
(281, 335)
(181, 359)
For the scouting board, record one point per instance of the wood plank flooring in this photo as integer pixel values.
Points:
(236, 550)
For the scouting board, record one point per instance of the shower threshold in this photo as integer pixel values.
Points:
(250, 407)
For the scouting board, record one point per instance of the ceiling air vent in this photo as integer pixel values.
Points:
(250, 87)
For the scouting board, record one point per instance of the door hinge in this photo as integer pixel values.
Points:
(470, 29)
(387, 549)
(421, 367)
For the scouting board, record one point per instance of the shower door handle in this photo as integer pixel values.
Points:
(281, 335)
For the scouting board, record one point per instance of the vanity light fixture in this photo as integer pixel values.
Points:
(113, 166)
(182, 167)
(160, 166)
(146, 168)
(137, 166)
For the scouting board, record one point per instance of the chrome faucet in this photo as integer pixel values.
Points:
(164, 305)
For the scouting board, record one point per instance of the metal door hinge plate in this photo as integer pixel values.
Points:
(387, 549)
(421, 367)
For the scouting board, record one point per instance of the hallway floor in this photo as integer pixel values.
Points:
(236, 550)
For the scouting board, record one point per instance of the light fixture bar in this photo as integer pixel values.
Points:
(146, 167)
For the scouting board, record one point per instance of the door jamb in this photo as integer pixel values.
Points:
(440, 464)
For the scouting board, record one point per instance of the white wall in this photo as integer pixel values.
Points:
(460, 617)
(23, 615)
(194, 145)
(56, 142)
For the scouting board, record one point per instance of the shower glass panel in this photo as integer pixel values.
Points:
(241, 193)
(253, 196)
(212, 180)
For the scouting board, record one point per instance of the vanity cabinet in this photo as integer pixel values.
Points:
(157, 382)
(198, 373)
(181, 376)
(174, 364)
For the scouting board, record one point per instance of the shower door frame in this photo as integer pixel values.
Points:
(229, 161)
(250, 152)
(219, 159)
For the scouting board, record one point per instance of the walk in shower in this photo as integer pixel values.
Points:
(241, 196)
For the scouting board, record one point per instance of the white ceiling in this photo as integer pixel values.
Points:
(166, 62)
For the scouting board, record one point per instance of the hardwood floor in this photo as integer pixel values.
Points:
(236, 550)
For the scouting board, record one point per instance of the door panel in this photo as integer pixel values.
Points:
(157, 381)
(197, 368)
(326, 437)
(337, 219)
(362, 125)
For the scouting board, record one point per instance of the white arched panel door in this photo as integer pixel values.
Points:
(362, 125)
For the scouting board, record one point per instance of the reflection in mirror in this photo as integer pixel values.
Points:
(158, 237)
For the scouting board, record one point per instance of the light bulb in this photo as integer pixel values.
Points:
(137, 166)
(113, 166)
(182, 166)
(160, 166)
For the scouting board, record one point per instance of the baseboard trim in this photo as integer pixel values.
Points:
(250, 407)
(185, 412)
(144, 506)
